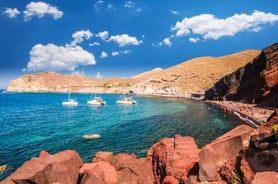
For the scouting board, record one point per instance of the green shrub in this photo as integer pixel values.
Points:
(275, 130)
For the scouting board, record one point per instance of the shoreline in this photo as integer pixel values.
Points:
(252, 115)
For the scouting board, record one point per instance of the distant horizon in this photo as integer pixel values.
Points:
(126, 38)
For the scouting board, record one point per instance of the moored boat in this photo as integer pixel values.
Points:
(96, 101)
(126, 100)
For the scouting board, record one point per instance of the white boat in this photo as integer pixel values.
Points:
(70, 102)
(126, 100)
(96, 101)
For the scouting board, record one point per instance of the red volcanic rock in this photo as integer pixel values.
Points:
(229, 173)
(170, 180)
(98, 173)
(246, 170)
(139, 171)
(174, 157)
(62, 167)
(44, 154)
(255, 82)
(123, 158)
(265, 177)
(104, 156)
(222, 149)
(273, 119)
(129, 168)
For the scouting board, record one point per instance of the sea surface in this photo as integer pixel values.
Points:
(31, 122)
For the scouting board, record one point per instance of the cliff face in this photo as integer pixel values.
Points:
(193, 76)
(256, 82)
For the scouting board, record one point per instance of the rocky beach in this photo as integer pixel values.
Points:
(243, 155)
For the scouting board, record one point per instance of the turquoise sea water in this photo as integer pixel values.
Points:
(31, 122)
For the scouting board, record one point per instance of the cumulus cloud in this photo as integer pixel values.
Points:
(103, 35)
(211, 27)
(167, 41)
(103, 54)
(125, 39)
(58, 58)
(11, 12)
(40, 9)
(79, 36)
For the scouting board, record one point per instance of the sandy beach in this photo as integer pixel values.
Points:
(250, 111)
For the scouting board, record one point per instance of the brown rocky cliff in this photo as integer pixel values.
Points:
(256, 82)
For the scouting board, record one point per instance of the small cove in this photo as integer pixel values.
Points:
(31, 122)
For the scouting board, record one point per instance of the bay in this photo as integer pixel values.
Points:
(31, 122)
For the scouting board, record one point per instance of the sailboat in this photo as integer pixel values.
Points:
(70, 102)
(98, 101)
(126, 100)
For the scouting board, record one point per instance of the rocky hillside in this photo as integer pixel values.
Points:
(256, 82)
(193, 76)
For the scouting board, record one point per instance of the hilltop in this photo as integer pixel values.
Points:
(192, 76)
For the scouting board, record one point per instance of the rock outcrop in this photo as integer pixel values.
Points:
(257, 82)
(265, 177)
(129, 168)
(62, 167)
(174, 158)
(215, 155)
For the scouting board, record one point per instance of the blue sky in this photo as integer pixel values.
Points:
(108, 38)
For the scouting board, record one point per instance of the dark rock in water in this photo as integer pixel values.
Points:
(62, 167)
(176, 157)
(257, 82)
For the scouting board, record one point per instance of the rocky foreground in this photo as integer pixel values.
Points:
(243, 155)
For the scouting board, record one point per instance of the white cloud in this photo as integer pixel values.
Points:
(11, 12)
(125, 39)
(94, 44)
(40, 9)
(110, 7)
(103, 54)
(115, 53)
(129, 4)
(98, 4)
(211, 27)
(194, 40)
(79, 36)
(157, 44)
(174, 12)
(167, 41)
(103, 35)
(58, 58)
(125, 51)
(98, 75)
